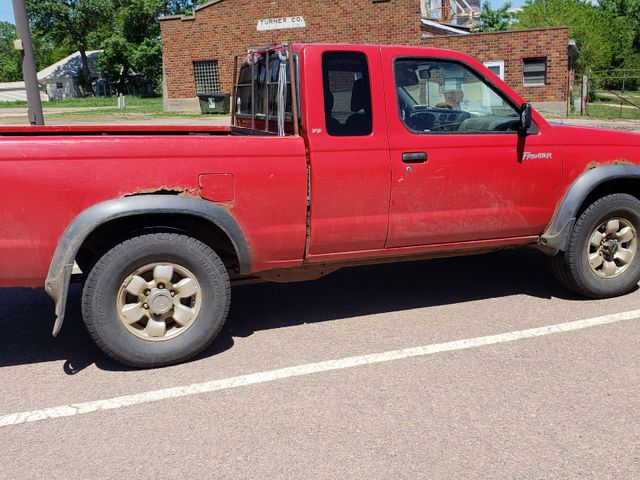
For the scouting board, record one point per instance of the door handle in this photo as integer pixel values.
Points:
(415, 157)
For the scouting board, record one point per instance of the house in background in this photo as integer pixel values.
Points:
(63, 79)
(16, 92)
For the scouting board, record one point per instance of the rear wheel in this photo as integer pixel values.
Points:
(156, 299)
(602, 258)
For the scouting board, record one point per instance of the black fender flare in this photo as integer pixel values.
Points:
(555, 237)
(59, 276)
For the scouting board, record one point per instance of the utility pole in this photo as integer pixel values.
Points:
(29, 71)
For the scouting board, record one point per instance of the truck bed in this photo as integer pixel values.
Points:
(64, 130)
(51, 174)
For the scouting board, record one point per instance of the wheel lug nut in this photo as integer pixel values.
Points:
(147, 292)
(145, 306)
(173, 294)
(161, 286)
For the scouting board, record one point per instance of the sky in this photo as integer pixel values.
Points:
(6, 9)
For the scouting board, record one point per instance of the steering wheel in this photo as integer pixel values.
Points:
(421, 121)
(461, 116)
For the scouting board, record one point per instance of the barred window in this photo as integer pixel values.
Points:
(207, 76)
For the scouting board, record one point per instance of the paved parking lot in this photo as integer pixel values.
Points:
(561, 403)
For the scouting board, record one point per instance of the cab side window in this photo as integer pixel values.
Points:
(347, 94)
(436, 96)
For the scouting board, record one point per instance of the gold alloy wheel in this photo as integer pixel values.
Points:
(612, 247)
(159, 301)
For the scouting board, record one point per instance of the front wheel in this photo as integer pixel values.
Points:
(602, 258)
(156, 299)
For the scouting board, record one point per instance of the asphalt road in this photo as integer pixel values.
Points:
(560, 405)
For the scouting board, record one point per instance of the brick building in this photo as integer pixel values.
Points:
(538, 64)
(199, 49)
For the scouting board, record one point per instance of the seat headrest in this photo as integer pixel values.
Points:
(329, 100)
(405, 76)
(360, 96)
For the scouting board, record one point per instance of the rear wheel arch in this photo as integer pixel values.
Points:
(119, 213)
(113, 232)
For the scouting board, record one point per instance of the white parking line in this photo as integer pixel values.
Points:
(306, 369)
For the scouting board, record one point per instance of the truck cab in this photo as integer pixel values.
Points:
(408, 148)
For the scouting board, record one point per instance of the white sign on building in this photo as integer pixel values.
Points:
(266, 24)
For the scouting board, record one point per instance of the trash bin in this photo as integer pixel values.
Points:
(214, 102)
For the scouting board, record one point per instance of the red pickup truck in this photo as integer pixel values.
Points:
(337, 155)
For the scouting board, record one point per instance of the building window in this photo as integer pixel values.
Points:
(59, 85)
(497, 67)
(534, 71)
(207, 76)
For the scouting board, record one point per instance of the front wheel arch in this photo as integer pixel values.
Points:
(587, 188)
(593, 247)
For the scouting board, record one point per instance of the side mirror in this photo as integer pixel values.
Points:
(525, 117)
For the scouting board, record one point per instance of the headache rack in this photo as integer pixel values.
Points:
(265, 94)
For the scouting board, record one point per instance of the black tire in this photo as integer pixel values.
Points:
(100, 294)
(572, 268)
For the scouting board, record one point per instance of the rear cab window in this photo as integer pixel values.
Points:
(347, 94)
(264, 83)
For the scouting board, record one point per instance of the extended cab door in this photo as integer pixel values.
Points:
(349, 153)
(460, 170)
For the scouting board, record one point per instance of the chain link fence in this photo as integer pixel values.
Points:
(613, 94)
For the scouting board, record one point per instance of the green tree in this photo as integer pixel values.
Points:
(79, 24)
(626, 12)
(147, 61)
(625, 8)
(10, 69)
(46, 53)
(176, 7)
(134, 43)
(494, 20)
(114, 61)
(604, 40)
